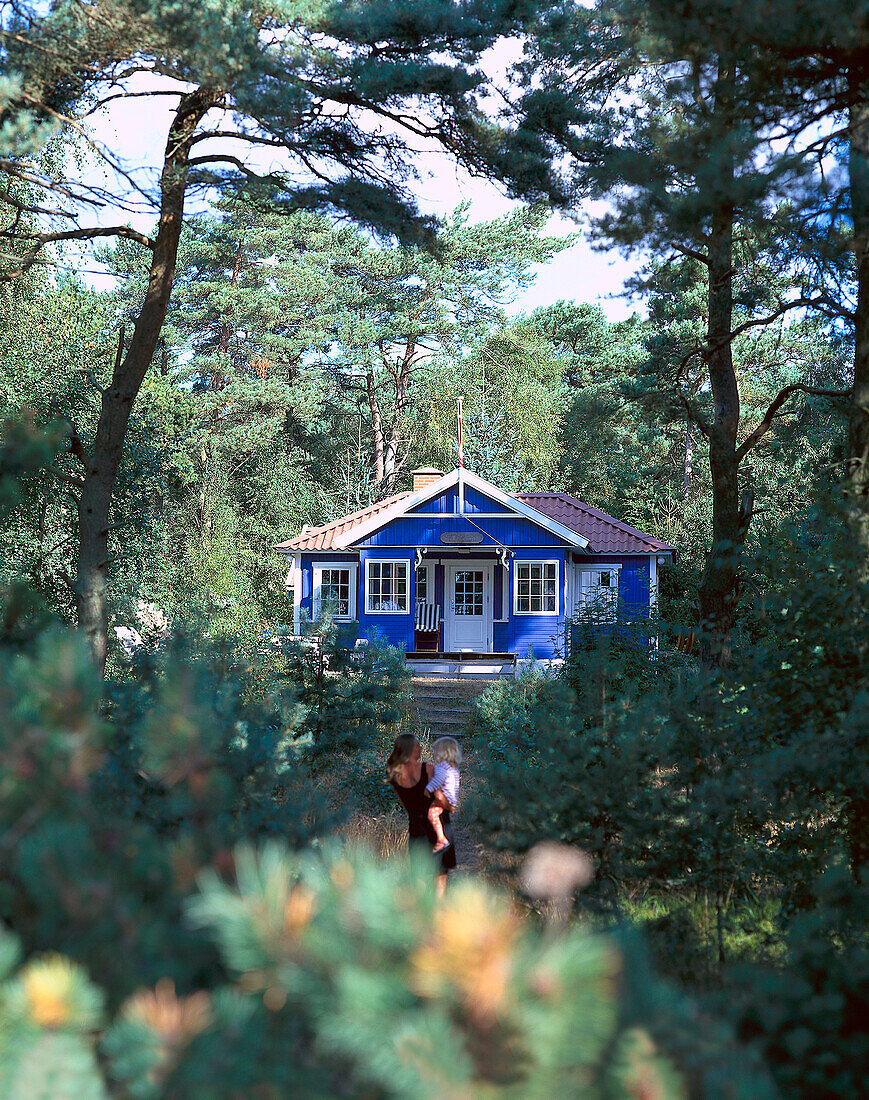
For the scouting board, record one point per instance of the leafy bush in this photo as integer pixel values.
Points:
(501, 714)
(570, 766)
(809, 1020)
(107, 817)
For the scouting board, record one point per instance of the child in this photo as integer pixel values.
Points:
(444, 785)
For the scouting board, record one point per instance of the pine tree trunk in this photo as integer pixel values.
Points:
(857, 817)
(376, 427)
(858, 426)
(719, 582)
(718, 585)
(117, 400)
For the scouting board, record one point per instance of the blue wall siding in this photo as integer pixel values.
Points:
(634, 581)
(425, 530)
(523, 634)
(537, 635)
(477, 502)
(308, 563)
(397, 630)
(446, 502)
(634, 586)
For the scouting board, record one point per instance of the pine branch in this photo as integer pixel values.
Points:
(764, 426)
(42, 239)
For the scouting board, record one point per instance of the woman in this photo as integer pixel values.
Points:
(408, 777)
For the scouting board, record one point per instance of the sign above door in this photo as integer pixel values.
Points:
(461, 538)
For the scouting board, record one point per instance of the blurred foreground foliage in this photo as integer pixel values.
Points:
(342, 976)
(731, 810)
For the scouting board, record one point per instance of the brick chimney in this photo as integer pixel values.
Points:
(428, 475)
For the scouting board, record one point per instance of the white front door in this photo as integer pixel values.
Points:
(468, 592)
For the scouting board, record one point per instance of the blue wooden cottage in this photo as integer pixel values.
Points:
(457, 569)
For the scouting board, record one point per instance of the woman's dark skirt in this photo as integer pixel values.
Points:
(419, 831)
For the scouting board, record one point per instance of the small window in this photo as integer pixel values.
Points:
(422, 592)
(536, 591)
(386, 587)
(599, 592)
(335, 591)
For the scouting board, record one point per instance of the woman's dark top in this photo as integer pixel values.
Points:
(416, 802)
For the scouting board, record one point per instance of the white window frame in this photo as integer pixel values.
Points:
(408, 565)
(519, 562)
(426, 567)
(594, 590)
(317, 580)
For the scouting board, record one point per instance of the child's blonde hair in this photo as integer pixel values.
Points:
(446, 750)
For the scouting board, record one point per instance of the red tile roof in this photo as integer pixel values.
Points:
(322, 538)
(605, 535)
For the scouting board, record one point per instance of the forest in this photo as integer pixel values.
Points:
(228, 316)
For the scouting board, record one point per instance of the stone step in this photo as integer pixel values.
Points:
(483, 670)
(431, 723)
(443, 712)
(448, 688)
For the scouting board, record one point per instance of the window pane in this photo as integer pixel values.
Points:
(335, 590)
(387, 586)
(536, 587)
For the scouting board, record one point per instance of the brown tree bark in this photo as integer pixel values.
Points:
(376, 424)
(858, 420)
(857, 816)
(400, 370)
(386, 434)
(718, 586)
(117, 399)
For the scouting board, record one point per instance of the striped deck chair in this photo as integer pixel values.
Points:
(428, 617)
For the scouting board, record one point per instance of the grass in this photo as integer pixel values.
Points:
(385, 834)
(681, 931)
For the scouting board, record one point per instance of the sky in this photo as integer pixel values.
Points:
(135, 131)
(579, 273)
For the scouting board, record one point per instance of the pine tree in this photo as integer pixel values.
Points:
(316, 86)
(692, 173)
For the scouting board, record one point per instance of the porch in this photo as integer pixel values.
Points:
(461, 665)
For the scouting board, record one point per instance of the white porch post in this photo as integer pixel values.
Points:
(297, 594)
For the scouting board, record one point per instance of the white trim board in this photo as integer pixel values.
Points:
(459, 477)
(517, 562)
(297, 592)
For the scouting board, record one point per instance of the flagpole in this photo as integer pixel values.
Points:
(460, 435)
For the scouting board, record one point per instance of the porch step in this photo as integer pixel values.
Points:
(488, 666)
(443, 704)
